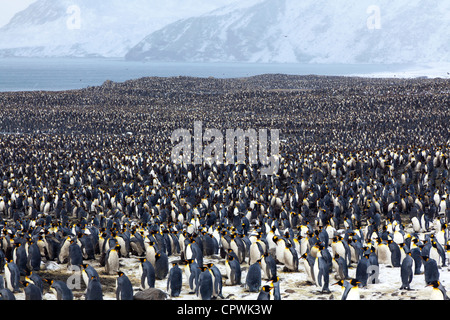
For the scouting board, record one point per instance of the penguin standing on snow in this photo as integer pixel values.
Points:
(112, 260)
(161, 265)
(124, 288)
(439, 292)
(253, 279)
(268, 266)
(350, 290)
(148, 276)
(265, 293)
(217, 280)
(94, 290)
(12, 277)
(175, 281)
(321, 274)
(407, 271)
(430, 269)
(32, 292)
(233, 269)
(205, 284)
(60, 289)
(87, 272)
(36, 280)
(275, 283)
(290, 258)
(75, 255)
(340, 267)
(362, 269)
(34, 257)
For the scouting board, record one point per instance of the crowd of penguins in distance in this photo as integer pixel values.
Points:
(87, 183)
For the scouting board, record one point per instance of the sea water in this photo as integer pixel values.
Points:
(54, 74)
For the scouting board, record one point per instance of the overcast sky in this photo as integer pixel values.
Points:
(10, 7)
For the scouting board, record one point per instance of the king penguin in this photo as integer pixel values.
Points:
(233, 270)
(148, 276)
(75, 256)
(407, 271)
(321, 274)
(253, 278)
(205, 284)
(12, 277)
(112, 260)
(94, 290)
(340, 267)
(87, 272)
(60, 289)
(362, 270)
(275, 283)
(430, 269)
(265, 293)
(124, 288)
(161, 265)
(290, 258)
(175, 281)
(350, 290)
(217, 281)
(32, 292)
(439, 292)
(268, 266)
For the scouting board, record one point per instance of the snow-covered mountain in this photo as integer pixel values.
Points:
(309, 31)
(108, 28)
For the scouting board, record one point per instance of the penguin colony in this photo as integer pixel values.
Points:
(87, 189)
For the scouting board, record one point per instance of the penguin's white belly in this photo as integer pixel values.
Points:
(353, 294)
(384, 255)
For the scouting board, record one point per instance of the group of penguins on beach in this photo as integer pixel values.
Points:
(88, 188)
(322, 224)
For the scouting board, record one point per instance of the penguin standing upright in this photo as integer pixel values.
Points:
(34, 257)
(350, 290)
(32, 292)
(417, 257)
(275, 283)
(439, 292)
(308, 263)
(268, 266)
(362, 269)
(112, 260)
(175, 281)
(60, 289)
(395, 253)
(87, 272)
(205, 284)
(265, 293)
(36, 280)
(233, 269)
(407, 271)
(431, 270)
(290, 258)
(20, 258)
(161, 265)
(340, 267)
(75, 256)
(124, 288)
(321, 274)
(12, 277)
(148, 276)
(253, 278)
(94, 290)
(217, 280)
